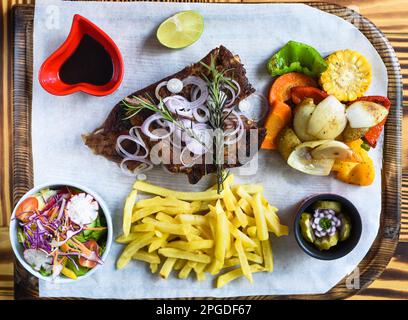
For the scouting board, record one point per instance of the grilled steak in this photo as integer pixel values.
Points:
(103, 140)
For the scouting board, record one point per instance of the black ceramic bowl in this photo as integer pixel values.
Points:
(343, 247)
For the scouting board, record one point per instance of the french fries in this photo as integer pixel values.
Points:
(260, 221)
(127, 212)
(169, 202)
(243, 260)
(185, 255)
(185, 271)
(129, 238)
(199, 232)
(189, 196)
(154, 267)
(274, 225)
(148, 257)
(247, 241)
(267, 253)
(132, 248)
(167, 267)
(221, 233)
(236, 273)
(199, 270)
(142, 228)
(194, 219)
(179, 264)
(191, 245)
(241, 216)
(158, 243)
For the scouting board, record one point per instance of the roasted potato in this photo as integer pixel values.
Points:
(352, 134)
(287, 142)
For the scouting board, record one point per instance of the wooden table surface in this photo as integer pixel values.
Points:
(390, 16)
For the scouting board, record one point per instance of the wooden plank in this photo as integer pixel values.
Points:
(393, 283)
(6, 266)
(388, 15)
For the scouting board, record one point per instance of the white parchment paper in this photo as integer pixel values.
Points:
(254, 32)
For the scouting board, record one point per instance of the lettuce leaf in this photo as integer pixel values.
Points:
(80, 271)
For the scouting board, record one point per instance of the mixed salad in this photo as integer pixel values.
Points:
(63, 232)
(320, 120)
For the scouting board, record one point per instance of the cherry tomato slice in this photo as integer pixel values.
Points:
(93, 246)
(26, 209)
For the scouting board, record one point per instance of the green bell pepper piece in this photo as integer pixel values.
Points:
(296, 57)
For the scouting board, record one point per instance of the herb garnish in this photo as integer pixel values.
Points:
(216, 102)
(325, 223)
(161, 109)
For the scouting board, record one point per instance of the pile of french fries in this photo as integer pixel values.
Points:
(200, 232)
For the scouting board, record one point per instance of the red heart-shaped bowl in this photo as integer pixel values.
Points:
(49, 74)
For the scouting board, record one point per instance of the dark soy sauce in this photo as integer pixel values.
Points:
(89, 63)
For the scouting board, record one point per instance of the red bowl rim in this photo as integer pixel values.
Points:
(88, 88)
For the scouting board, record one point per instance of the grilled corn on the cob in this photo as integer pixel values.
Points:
(348, 75)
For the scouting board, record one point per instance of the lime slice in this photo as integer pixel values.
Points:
(181, 30)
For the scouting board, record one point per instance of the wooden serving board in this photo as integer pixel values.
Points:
(376, 260)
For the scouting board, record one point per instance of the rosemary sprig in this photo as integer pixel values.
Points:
(215, 103)
(160, 108)
(134, 109)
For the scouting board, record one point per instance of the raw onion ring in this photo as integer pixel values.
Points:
(144, 162)
(159, 86)
(177, 138)
(194, 93)
(188, 165)
(201, 132)
(228, 133)
(231, 101)
(134, 132)
(178, 105)
(146, 124)
(248, 104)
(238, 87)
(202, 85)
(199, 117)
(239, 130)
(122, 151)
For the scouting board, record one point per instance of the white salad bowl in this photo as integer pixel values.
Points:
(18, 248)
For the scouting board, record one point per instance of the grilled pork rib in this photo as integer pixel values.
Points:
(103, 140)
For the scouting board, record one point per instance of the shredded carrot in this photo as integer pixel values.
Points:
(74, 248)
(81, 246)
(63, 261)
(64, 247)
(53, 213)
